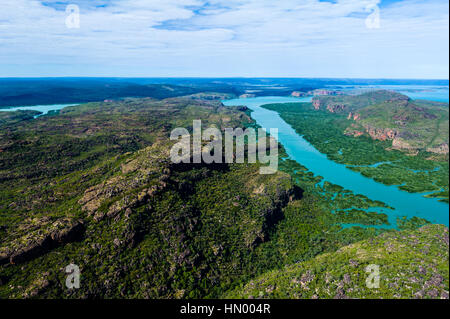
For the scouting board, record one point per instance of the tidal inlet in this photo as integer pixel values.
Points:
(220, 159)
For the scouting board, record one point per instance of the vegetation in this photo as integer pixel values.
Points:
(93, 186)
(8, 118)
(375, 159)
(411, 264)
(34, 92)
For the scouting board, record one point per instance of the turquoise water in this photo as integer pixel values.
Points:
(438, 95)
(42, 108)
(300, 150)
(416, 92)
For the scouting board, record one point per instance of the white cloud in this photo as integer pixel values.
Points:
(225, 38)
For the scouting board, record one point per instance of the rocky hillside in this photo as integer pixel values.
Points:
(383, 115)
(411, 264)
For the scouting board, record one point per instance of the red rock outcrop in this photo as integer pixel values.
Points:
(298, 94)
(380, 133)
(335, 108)
(316, 104)
(354, 116)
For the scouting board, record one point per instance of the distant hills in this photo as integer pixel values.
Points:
(34, 91)
(412, 125)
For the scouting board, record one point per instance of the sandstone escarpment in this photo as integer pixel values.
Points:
(412, 264)
(333, 107)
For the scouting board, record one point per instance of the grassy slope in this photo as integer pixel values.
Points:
(36, 92)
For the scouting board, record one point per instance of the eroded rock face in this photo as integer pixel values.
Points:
(380, 133)
(69, 231)
(388, 116)
(400, 144)
(276, 198)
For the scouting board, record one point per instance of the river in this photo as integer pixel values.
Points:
(300, 150)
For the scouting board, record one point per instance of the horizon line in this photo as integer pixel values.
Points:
(218, 77)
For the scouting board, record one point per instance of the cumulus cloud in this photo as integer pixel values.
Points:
(225, 38)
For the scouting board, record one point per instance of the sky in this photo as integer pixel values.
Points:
(225, 38)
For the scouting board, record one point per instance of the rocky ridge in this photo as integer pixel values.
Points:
(397, 265)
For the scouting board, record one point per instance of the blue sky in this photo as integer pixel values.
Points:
(218, 38)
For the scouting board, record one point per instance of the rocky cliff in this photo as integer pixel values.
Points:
(388, 116)
(102, 193)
